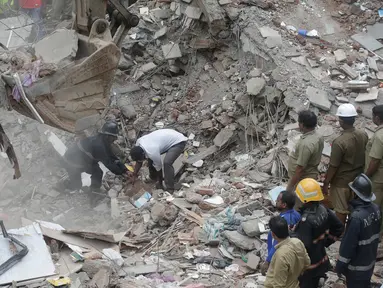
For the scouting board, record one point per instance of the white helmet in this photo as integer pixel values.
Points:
(346, 110)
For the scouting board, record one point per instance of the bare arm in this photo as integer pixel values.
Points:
(330, 174)
(295, 179)
(373, 167)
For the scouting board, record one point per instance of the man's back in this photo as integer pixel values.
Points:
(160, 140)
(348, 154)
(287, 264)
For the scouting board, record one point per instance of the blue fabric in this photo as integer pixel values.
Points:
(292, 217)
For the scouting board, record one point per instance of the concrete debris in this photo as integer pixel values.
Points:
(60, 45)
(372, 64)
(171, 51)
(251, 228)
(371, 95)
(379, 75)
(255, 86)
(253, 260)
(367, 41)
(357, 85)
(256, 72)
(224, 2)
(336, 85)
(340, 55)
(247, 209)
(273, 38)
(223, 137)
(214, 14)
(160, 33)
(341, 99)
(163, 214)
(242, 241)
(349, 71)
(193, 12)
(144, 69)
(318, 98)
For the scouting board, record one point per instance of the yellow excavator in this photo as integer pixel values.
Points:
(74, 97)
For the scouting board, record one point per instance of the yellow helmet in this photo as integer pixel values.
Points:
(309, 190)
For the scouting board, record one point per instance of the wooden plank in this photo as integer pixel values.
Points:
(111, 238)
(79, 91)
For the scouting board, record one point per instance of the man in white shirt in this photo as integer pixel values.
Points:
(151, 147)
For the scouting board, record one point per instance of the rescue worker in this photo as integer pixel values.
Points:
(151, 147)
(285, 205)
(346, 161)
(304, 160)
(374, 156)
(85, 155)
(318, 229)
(33, 8)
(290, 258)
(359, 247)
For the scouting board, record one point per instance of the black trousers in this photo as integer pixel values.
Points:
(75, 182)
(171, 156)
(358, 283)
(306, 281)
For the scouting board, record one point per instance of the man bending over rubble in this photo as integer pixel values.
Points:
(85, 155)
(305, 158)
(151, 147)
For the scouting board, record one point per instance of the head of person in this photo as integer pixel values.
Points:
(307, 120)
(362, 188)
(308, 191)
(109, 131)
(279, 228)
(346, 114)
(137, 154)
(285, 201)
(377, 114)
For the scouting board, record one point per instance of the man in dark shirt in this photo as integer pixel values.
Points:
(85, 155)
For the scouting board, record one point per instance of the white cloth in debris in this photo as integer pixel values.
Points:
(159, 142)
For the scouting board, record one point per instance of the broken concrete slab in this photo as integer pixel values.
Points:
(61, 44)
(273, 38)
(144, 69)
(379, 75)
(193, 12)
(341, 99)
(126, 107)
(253, 261)
(248, 208)
(242, 241)
(372, 64)
(313, 63)
(255, 86)
(101, 279)
(143, 269)
(291, 126)
(256, 72)
(318, 98)
(171, 51)
(202, 155)
(371, 95)
(348, 71)
(300, 60)
(223, 137)
(214, 14)
(340, 55)
(376, 30)
(367, 41)
(251, 228)
(336, 85)
(326, 149)
(160, 33)
(224, 2)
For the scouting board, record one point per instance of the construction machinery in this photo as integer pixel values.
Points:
(75, 96)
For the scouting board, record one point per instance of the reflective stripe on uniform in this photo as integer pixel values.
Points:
(344, 260)
(361, 268)
(369, 241)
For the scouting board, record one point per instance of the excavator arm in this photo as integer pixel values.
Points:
(75, 96)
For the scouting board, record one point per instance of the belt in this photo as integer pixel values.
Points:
(313, 266)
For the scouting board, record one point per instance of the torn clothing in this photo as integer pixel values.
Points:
(358, 250)
(289, 261)
(159, 142)
(318, 229)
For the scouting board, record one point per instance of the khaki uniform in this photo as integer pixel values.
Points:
(348, 156)
(374, 149)
(308, 153)
(287, 264)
